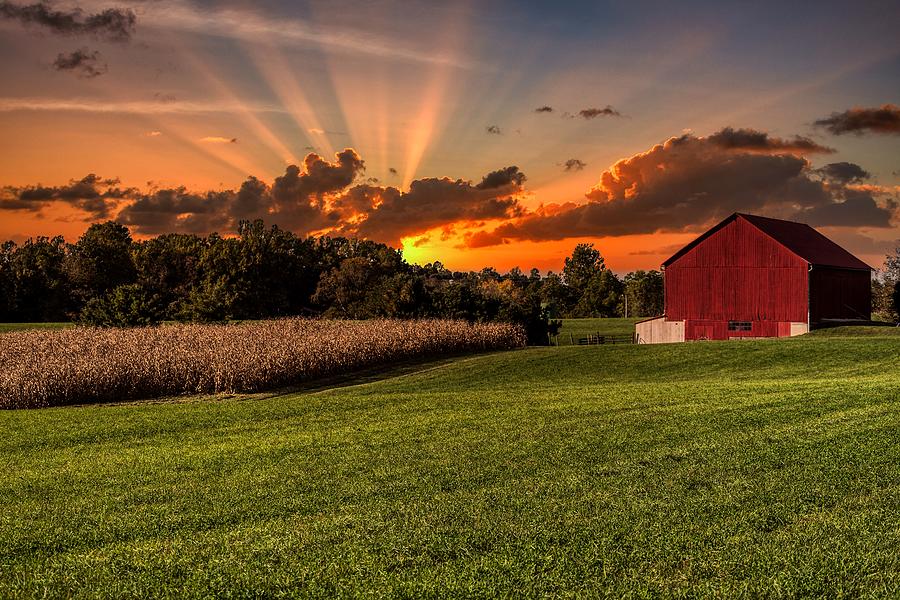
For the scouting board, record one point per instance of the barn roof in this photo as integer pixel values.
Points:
(799, 238)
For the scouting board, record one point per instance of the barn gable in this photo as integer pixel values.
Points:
(799, 238)
(735, 272)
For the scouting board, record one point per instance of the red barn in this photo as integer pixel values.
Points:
(752, 276)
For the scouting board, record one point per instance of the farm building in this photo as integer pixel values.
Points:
(752, 276)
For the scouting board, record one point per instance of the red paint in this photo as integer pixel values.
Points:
(755, 269)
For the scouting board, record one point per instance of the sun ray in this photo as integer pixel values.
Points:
(281, 77)
(249, 117)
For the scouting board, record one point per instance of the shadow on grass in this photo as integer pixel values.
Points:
(354, 378)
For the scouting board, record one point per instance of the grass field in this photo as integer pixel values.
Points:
(7, 327)
(572, 329)
(706, 469)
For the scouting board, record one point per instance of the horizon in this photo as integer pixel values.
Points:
(474, 135)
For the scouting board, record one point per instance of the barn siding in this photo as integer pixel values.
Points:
(718, 330)
(840, 294)
(738, 273)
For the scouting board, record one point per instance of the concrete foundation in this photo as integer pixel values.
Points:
(658, 331)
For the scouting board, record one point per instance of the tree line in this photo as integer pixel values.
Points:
(107, 278)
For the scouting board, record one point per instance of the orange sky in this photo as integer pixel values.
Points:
(201, 98)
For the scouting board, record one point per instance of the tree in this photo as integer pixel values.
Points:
(7, 283)
(885, 299)
(220, 289)
(101, 260)
(582, 266)
(896, 298)
(39, 287)
(556, 297)
(601, 296)
(644, 292)
(170, 266)
(345, 289)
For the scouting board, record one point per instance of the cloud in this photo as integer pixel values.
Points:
(593, 113)
(92, 194)
(688, 182)
(297, 200)
(844, 172)
(502, 178)
(857, 208)
(160, 106)
(544, 109)
(885, 120)
(391, 215)
(752, 140)
(215, 139)
(153, 133)
(112, 24)
(684, 184)
(574, 164)
(493, 129)
(392, 171)
(175, 210)
(84, 63)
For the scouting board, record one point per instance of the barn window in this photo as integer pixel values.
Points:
(740, 325)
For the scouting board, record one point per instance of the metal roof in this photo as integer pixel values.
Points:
(799, 238)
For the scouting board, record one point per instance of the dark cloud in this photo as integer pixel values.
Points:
(688, 183)
(844, 172)
(859, 243)
(392, 171)
(510, 176)
(434, 202)
(593, 113)
(885, 119)
(493, 129)
(176, 210)
(81, 62)
(760, 141)
(96, 196)
(112, 24)
(574, 164)
(252, 200)
(856, 209)
(544, 109)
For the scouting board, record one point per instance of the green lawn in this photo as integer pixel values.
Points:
(703, 469)
(573, 329)
(7, 327)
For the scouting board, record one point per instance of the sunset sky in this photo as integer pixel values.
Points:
(475, 133)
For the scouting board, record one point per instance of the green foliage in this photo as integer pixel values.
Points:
(101, 260)
(583, 266)
(36, 287)
(600, 296)
(169, 265)
(130, 305)
(896, 297)
(885, 294)
(645, 293)
(720, 469)
(268, 272)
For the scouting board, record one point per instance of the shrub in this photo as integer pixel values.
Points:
(126, 306)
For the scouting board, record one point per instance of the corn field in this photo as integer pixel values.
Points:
(83, 365)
